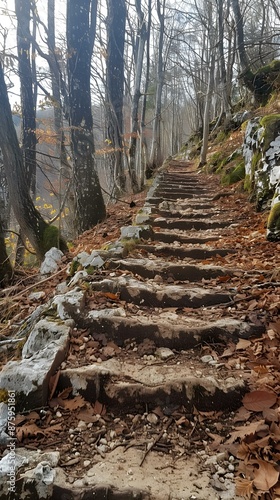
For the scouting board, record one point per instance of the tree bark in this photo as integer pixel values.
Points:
(5, 265)
(115, 86)
(135, 126)
(31, 222)
(156, 153)
(90, 207)
(28, 106)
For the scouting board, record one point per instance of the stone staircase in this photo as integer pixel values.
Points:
(173, 295)
(171, 304)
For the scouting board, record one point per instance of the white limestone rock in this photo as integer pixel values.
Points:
(44, 351)
(70, 304)
(52, 259)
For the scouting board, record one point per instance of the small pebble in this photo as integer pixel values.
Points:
(207, 358)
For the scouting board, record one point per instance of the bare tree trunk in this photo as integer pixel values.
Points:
(156, 153)
(135, 129)
(5, 265)
(90, 207)
(226, 107)
(206, 116)
(114, 89)
(31, 223)
(143, 143)
(28, 106)
(27, 76)
(66, 171)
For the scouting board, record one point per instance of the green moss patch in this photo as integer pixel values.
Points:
(271, 125)
(273, 223)
(236, 175)
(52, 238)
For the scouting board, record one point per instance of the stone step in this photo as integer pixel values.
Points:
(187, 238)
(190, 205)
(184, 193)
(190, 214)
(120, 475)
(182, 380)
(182, 252)
(158, 295)
(165, 329)
(177, 271)
(156, 199)
(169, 187)
(186, 225)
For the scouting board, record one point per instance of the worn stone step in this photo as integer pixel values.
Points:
(158, 295)
(189, 383)
(127, 472)
(178, 271)
(120, 475)
(156, 199)
(185, 225)
(190, 214)
(190, 205)
(168, 187)
(183, 237)
(182, 193)
(182, 252)
(167, 329)
(180, 381)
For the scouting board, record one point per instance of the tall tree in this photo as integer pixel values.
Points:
(81, 25)
(28, 104)
(116, 19)
(27, 77)
(156, 152)
(40, 234)
(135, 150)
(5, 265)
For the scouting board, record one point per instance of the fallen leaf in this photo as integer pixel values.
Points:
(259, 400)
(243, 344)
(74, 404)
(111, 296)
(99, 408)
(245, 430)
(265, 476)
(244, 487)
(270, 415)
(27, 431)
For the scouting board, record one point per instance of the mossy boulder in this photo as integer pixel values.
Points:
(262, 158)
(53, 238)
(235, 175)
(273, 223)
(264, 81)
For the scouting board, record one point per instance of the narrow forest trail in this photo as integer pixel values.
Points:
(161, 368)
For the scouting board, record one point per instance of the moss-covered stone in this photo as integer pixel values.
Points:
(129, 245)
(52, 238)
(273, 223)
(3, 396)
(271, 125)
(236, 175)
(221, 137)
(247, 183)
(257, 156)
(74, 267)
(265, 80)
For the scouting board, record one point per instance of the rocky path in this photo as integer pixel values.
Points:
(153, 397)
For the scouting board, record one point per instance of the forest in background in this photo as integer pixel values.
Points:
(107, 90)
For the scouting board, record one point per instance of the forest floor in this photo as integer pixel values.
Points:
(152, 449)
